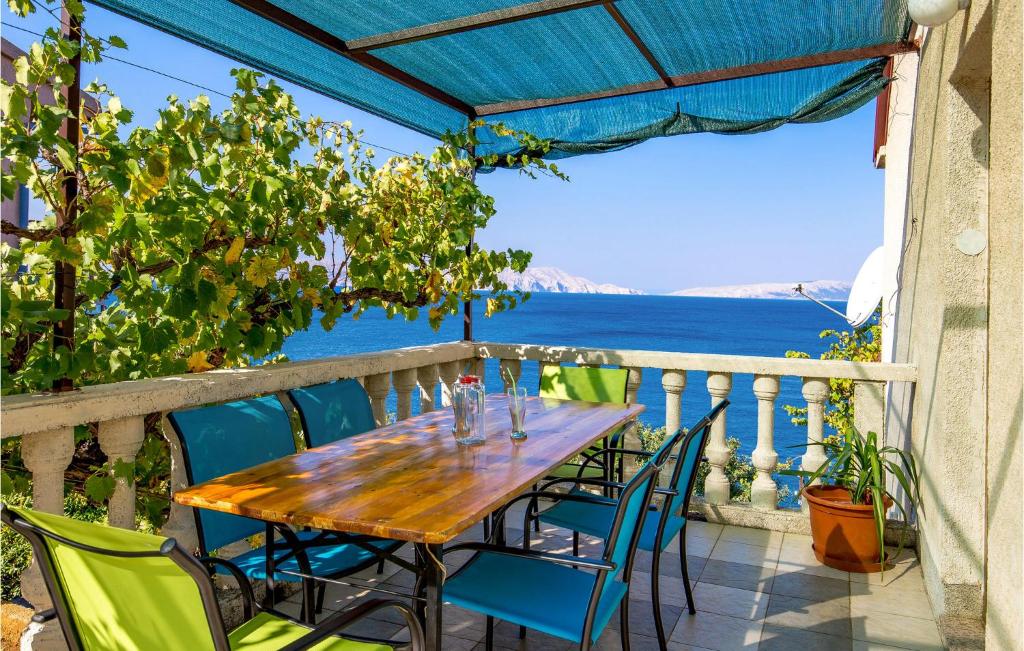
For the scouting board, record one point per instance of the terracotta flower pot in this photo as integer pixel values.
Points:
(844, 533)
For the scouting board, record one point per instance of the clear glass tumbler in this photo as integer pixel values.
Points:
(517, 410)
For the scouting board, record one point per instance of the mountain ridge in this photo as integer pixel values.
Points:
(825, 290)
(555, 280)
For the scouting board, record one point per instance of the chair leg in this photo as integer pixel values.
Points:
(489, 642)
(380, 566)
(575, 543)
(536, 515)
(686, 572)
(321, 593)
(522, 632)
(624, 622)
(659, 626)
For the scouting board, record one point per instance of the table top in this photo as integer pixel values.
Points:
(409, 480)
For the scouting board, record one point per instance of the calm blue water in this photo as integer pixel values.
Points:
(665, 323)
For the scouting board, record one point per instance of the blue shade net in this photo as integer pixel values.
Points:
(555, 75)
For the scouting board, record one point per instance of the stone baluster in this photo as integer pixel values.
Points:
(716, 486)
(120, 440)
(405, 384)
(507, 366)
(46, 455)
(633, 384)
(673, 382)
(449, 372)
(377, 386)
(181, 523)
(764, 493)
(426, 377)
(815, 392)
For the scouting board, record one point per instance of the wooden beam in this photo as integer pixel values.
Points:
(638, 42)
(709, 76)
(311, 32)
(469, 23)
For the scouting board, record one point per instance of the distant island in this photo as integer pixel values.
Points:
(553, 279)
(825, 290)
(559, 281)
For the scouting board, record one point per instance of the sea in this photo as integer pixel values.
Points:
(729, 326)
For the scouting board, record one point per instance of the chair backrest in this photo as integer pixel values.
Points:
(333, 411)
(584, 383)
(684, 476)
(221, 439)
(621, 543)
(119, 589)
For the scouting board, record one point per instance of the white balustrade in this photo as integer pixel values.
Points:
(405, 383)
(377, 387)
(449, 375)
(426, 377)
(673, 382)
(120, 440)
(510, 367)
(633, 384)
(716, 485)
(764, 494)
(815, 391)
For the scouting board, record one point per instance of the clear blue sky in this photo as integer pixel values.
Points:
(799, 203)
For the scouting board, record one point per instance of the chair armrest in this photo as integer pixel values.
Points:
(339, 621)
(561, 559)
(604, 483)
(551, 495)
(248, 598)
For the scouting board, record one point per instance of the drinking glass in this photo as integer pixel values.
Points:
(469, 406)
(517, 410)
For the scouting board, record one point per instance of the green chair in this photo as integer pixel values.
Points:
(119, 589)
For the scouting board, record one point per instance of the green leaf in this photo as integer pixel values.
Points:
(100, 487)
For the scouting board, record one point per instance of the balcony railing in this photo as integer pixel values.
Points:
(422, 375)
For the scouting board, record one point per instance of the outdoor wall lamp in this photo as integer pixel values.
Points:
(932, 13)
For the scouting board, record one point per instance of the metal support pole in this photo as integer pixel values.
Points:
(467, 307)
(64, 273)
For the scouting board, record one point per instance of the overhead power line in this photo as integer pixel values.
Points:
(212, 91)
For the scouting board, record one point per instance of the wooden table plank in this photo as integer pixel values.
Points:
(410, 481)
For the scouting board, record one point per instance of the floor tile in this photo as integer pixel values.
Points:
(828, 617)
(869, 598)
(610, 641)
(669, 564)
(737, 552)
(759, 537)
(897, 631)
(815, 569)
(507, 635)
(671, 588)
(695, 546)
(808, 586)
(756, 578)
(698, 529)
(719, 632)
(782, 638)
(723, 600)
(641, 618)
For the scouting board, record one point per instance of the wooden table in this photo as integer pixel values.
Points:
(410, 481)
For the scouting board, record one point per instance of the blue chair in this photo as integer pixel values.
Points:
(332, 411)
(569, 597)
(221, 439)
(595, 516)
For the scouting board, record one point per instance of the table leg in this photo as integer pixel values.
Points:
(430, 582)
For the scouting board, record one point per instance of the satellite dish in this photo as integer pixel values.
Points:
(868, 289)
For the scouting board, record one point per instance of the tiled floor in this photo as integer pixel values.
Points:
(753, 590)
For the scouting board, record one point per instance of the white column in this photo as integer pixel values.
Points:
(716, 486)
(377, 386)
(405, 384)
(181, 523)
(673, 382)
(513, 366)
(426, 376)
(815, 392)
(46, 455)
(449, 372)
(764, 493)
(120, 440)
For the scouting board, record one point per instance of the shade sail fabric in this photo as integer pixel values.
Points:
(590, 76)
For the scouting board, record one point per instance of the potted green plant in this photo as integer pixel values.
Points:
(848, 508)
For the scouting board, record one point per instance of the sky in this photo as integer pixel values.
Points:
(799, 203)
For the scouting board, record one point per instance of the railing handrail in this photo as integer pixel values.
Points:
(807, 368)
(38, 412)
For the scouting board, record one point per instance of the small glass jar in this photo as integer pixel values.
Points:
(468, 403)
